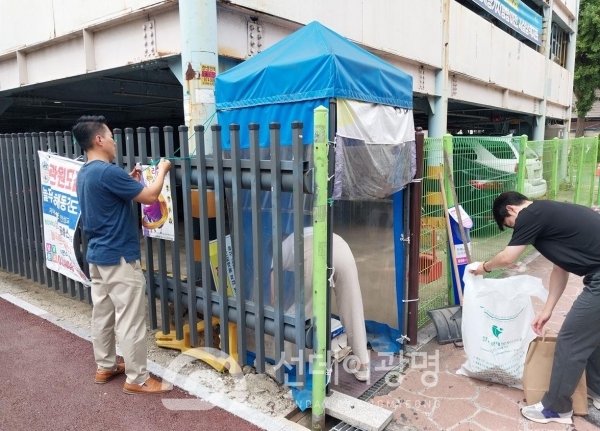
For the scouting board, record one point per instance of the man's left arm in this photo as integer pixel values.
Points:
(505, 258)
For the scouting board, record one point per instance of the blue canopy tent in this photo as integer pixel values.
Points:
(288, 80)
(313, 66)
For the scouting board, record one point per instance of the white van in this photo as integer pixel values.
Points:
(502, 153)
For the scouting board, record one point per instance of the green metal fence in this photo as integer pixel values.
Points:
(482, 168)
(433, 260)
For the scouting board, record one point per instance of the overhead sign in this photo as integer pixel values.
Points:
(516, 15)
(60, 214)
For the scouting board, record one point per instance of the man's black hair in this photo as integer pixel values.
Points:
(502, 201)
(87, 128)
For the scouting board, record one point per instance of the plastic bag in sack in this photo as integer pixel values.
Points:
(496, 326)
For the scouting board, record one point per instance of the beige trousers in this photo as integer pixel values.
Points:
(348, 296)
(118, 295)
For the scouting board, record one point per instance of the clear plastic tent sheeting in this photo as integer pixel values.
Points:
(375, 150)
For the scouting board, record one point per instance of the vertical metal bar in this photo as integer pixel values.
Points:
(598, 197)
(581, 143)
(118, 138)
(221, 241)
(594, 151)
(175, 257)
(188, 229)
(447, 147)
(277, 271)
(522, 169)
(44, 145)
(68, 141)
(555, 143)
(142, 142)
(20, 191)
(236, 194)
(162, 256)
(34, 239)
(259, 307)
(5, 215)
(85, 293)
(14, 204)
(25, 185)
(130, 163)
(39, 144)
(298, 204)
(332, 130)
(204, 235)
(3, 239)
(320, 264)
(414, 246)
(60, 150)
(53, 149)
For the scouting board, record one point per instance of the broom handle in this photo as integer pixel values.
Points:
(461, 228)
(450, 239)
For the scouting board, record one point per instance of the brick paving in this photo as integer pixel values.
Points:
(458, 403)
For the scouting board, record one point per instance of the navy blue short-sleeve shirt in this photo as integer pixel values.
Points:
(105, 194)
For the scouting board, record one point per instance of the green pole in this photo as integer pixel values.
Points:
(449, 151)
(522, 165)
(321, 118)
(580, 143)
(448, 148)
(592, 163)
(554, 174)
(598, 145)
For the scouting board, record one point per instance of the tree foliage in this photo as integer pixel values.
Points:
(587, 59)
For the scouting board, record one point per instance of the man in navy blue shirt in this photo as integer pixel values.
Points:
(105, 195)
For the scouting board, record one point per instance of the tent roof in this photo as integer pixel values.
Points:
(313, 63)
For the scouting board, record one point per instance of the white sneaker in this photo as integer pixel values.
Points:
(594, 397)
(363, 375)
(537, 413)
(360, 375)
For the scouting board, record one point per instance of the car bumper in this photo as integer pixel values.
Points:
(535, 191)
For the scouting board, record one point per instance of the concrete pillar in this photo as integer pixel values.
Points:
(438, 104)
(570, 66)
(438, 113)
(539, 121)
(199, 63)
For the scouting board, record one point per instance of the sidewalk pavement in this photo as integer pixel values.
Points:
(46, 383)
(458, 403)
(46, 376)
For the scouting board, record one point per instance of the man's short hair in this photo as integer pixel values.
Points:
(502, 201)
(87, 128)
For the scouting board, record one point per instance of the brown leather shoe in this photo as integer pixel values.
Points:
(150, 386)
(103, 376)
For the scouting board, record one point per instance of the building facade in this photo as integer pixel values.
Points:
(493, 66)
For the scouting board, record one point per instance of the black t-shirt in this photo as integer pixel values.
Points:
(568, 235)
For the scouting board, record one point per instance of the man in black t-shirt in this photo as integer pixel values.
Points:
(569, 236)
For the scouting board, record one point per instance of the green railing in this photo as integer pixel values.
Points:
(483, 167)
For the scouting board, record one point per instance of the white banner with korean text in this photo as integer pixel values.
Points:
(60, 214)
